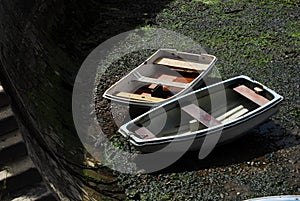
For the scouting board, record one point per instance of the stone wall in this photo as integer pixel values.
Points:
(38, 75)
(42, 44)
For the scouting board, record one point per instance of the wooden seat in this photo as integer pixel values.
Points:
(233, 114)
(181, 64)
(184, 79)
(229, 113)
(185, 70)
(236, 115)
(208, 120)
(172, 78)
(201, 115)
(139, 97)
(144, 133)
(165, 78)
(150, 80)
(251, 95)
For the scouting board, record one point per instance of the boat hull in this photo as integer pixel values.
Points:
(185, 138)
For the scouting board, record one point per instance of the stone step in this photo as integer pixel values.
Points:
(19, 178)
(37, 192)
(4, 99)
(49, 196)
(7, 119)
(7, 125)
(17, 175)
(12, 146)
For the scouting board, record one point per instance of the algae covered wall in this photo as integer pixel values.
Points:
(38, 71)
(42, 45)
(38, 76)
(41, 74)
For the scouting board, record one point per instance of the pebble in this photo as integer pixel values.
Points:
(90, 163)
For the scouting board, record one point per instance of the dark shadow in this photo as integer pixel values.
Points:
(267, 138)
(86, 24)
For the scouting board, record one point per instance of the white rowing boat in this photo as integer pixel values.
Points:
(231, 108)
(165, 75)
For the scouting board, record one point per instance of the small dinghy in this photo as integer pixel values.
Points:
(167, 74)
(277, 198)
(226, 110)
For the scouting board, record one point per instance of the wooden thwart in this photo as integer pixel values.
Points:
(184, 79)
(172, 78)
(232, 114)
(139, 97)
(200, 115)
(146, 94)
(181, 64)
(144, 133)
(229, 113)
(165, 78)
(251, 95)
(150, 80)
(236, 115)
(185, 70)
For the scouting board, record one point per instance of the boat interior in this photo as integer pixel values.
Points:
(205, 109)
(161, 77)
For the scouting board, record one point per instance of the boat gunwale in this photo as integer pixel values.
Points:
(252, 114)
(276, 198)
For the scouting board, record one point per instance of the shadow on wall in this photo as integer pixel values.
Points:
(42, 45)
